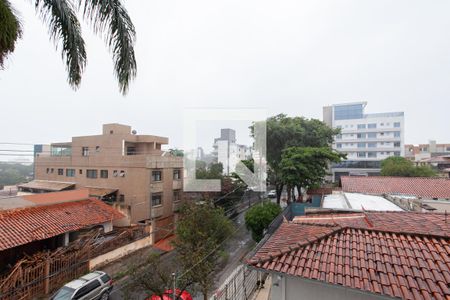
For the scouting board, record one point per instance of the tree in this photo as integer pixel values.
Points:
(284, 132)
(306, 167)
(108, 18)
(213, 171)
(400, 166)
(154, 277)
(200, 235)
(259, 217)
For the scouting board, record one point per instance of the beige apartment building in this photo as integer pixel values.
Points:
(127, 170)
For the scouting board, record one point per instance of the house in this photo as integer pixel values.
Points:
(127, 170)
(33, 223)
(371, 255)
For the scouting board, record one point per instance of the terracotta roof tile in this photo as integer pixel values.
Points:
(416, 186)
(21, 226)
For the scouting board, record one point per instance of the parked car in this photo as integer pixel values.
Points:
(272, 194)
(93, 286)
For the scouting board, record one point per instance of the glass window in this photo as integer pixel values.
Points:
(122, 198)
(339, 136)
(372, 126)
(396, 144)
(105, 278)
(177, 174)
(372, 154)
(65, 293)
(60, 171)
(156, 175)
(361, 154)
(70, 172)
(122, 173)
(361, 126)
(361, 135)
(131, 150)
(347, 112)
(176, 195)
(372, 135)
(156, 199)
(80, 171)
(104, 173)
(85, 151)
(397, 124)
(396, 153)
(339, 145)
(91, 173)
(51, 170)
(372, 145)
(397, 134)
(48, 170)
(361, 145)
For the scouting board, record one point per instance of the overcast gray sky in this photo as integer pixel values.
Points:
(284, 56)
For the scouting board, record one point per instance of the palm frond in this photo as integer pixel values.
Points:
(10, 30)
(65, 29)
(111, 18)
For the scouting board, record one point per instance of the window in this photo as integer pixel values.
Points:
(91, 173)
(176, 195)
(372, 145)
(372, 154)
(339, 136)
(372, 126)
(396, 153)
(339, 145)
(156, 199)
(122, 173)
(131, 150)
(156, 175)
(105, 278)
(122, 198)
(347, 112)
(80, 171)
(397, 134)
(48, 170)
(397, 124)
(361, 135)
(87, 289)
(372, 135)
(51, 170)
(115, 173)
(448, 149)
(361, 154)
(97, 148)
(396, 144)
(361, 145)
(177, 174)
(60, 171)
(85, 151)
(70, 172)
(104, 173)
(382, 124)
(361, 126)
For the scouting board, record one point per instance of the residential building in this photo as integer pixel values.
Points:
(127, 170)
(367, 139)
(441, 164)
(369, 255)
(33, 223)
(228, 152)
(423, 151)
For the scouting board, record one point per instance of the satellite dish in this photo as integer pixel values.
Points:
(134, 131)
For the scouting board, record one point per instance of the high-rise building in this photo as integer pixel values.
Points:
(367, 139)
(227, 152)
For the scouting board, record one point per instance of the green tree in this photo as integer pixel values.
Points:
(108, 18)
(306, 167)
(212, 171)
(259, 217)
(11, 174)
(284, 132)
(400, 166)
(200, 235)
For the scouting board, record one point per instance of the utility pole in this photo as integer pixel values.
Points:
(174, 278)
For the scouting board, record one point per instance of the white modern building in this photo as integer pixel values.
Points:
(367, 139)
(227, 152)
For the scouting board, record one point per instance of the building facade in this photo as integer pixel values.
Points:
(228, 152)
(367, 139)
(129, 171)
(423, 151)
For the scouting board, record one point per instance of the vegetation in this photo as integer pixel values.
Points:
(107, 18)
(400, 166)
(11, 174)
(259, 217)
(212, 171)
(284, 132)
(200, 235)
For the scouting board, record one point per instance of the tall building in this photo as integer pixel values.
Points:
(367, 139)
(227, 152)
(127, 170)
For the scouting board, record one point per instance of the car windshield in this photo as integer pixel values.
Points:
(64, 293)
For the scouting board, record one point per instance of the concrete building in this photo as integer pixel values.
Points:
(227, 152)
(423, 151)
(367, 139)
(129, 171)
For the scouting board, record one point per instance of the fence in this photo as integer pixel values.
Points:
(240, 285)
(44, 272)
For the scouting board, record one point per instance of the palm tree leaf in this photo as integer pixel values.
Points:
(65, 29)
(10, 30)
(111, 18)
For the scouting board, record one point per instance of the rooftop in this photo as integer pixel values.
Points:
(422, 187)
(355, 201)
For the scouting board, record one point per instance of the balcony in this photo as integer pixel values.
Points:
(156, 211)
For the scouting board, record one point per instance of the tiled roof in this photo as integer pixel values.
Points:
(372, 252)
(47, 185)
(21, 226)
(378, 185)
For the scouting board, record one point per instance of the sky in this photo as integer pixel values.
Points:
(283, 56)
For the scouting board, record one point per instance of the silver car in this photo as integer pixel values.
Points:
(92, 286)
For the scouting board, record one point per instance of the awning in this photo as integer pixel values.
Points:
(46, 185)
(100, 192)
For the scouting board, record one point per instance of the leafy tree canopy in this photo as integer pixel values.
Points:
(259, 217)
(400, 166)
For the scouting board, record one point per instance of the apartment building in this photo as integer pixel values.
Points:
(228, 152)
(425, 151)
(127, 170)
(367, 139)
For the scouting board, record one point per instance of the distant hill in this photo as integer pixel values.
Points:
(14, 173)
